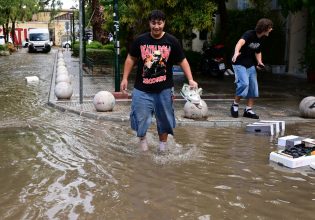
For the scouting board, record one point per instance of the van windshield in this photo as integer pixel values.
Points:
(39, 37)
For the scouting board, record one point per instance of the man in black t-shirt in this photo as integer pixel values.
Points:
(247, 55)
(155, 52)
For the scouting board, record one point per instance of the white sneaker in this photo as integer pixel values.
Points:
(190, 94)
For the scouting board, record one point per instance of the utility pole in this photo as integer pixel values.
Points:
(73, 28)
(117, 47)
(84, 37)
(81, 9)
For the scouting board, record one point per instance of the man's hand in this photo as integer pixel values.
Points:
(236, 54)
(124, 85)
(193, 84)
(260, 66)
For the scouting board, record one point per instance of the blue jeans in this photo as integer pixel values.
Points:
(246, 81)
(145, 104)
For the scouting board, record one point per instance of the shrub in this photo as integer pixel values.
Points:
(100, 56)
(123, 54)
(109, 47)
(94, 45)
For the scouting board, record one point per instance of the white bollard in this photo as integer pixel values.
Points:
(61, 68)
(196, 112)
(63, 78)
(63, 90)
(61, 63)
(62, 72)
(307, 107)
(104, 101)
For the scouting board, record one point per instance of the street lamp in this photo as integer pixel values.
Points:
(73, 29)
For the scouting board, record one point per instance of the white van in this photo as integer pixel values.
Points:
(39, 40)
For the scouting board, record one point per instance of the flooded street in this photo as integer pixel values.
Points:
(57, 165)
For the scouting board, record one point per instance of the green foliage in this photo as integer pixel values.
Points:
(181, 16)
(98, 55)
(308, 60)
(96, 51)
(76, 49)
(123, 54)
(94, 45)
(2, 47)
(109, 47)
(16, 10)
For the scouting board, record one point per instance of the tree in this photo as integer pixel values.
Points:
(97, 21)
(21, 10)
(182, 16)
(11, 11)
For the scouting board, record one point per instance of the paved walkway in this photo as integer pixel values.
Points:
(280, 96)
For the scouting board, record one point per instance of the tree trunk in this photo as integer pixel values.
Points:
(99, 34)
(223, 19)
(13, 32)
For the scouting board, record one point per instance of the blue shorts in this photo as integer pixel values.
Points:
(246, 81)
(145, 104)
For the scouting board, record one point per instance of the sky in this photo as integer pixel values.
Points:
(67, 4)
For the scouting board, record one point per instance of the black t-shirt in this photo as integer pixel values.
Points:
(252, 45)
(156, 58)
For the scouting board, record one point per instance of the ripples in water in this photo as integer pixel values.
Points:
(56, 165)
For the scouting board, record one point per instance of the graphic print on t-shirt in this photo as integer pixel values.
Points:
(154, 63)
(254, 45)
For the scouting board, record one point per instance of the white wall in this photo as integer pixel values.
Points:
(297, 41)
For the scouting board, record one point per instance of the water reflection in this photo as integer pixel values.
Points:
(56, 165)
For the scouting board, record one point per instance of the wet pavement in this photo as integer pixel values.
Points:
(59, 165)
(280, 96)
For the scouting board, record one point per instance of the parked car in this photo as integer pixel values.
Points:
(25, 43)
(66, 44)
(2, 41)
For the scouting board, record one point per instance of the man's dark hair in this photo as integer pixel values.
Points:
(264, 24)
(157, 15)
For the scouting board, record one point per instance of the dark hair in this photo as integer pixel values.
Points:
(264, 24)
(157, 15)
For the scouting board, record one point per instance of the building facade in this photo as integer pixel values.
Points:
(60, 28)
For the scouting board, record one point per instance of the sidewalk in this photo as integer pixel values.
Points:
(280, 96)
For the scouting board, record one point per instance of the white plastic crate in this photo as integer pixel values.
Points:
(280, 124)
(291, 162)
(294, 141)
(309, 142)
(282, 141)
(261, 128)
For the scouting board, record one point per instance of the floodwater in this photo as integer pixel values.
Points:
(56, 165)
